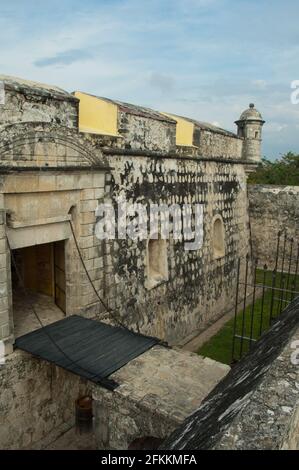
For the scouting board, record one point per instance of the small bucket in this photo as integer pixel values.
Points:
(84, 414)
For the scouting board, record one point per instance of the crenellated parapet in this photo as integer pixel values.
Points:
(138, 128)
(115, 124)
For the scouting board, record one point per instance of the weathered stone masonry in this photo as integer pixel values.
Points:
(255, 407)
(53, 175)
(26, 101)
(210, 171)
(199, 286)
(272, 209)
(50, 175)
(156, 392)
(36, 401)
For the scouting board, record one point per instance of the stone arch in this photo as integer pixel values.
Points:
(156, 261)
(218, 237)
(34, 144)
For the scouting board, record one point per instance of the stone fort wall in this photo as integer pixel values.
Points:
(40, 130)
(37, 401)
(199, 287)
(272, 209)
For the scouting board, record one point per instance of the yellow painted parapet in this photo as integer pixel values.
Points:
(184, 130)
(96, 115)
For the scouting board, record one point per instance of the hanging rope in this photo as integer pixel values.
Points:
(72, 362)
(105, 305)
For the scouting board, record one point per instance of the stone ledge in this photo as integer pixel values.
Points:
(156, 392)
(49, 220)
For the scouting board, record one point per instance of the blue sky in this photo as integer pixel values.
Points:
(206, 59)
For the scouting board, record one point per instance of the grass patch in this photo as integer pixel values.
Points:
(256, 319)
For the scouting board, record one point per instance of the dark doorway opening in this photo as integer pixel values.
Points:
(41, 271)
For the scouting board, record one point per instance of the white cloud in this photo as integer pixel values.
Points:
(261, 84)
(197, 58)
(276, 127)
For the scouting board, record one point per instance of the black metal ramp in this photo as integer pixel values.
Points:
(86, 347)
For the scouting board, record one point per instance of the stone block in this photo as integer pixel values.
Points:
(87, 229)
(98, 262)
(84, 181)
(98, 180)
(3, 260)
(4, 303)
(94, 252)
(3, 245)
(65, 182)
(4, 331)
(3, 275)
(88, 217)
(89, 264)
(28, 183)
(87, 242)
(88, 206)
(99, 193)
(87, 194)
(3, 289)
(47, 182)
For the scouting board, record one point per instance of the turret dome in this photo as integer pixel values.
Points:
(251, 114)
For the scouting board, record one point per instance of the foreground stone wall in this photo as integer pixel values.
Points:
(270, 419)
(151, 400)
(37, 399)
(256, 406)
(272, 208)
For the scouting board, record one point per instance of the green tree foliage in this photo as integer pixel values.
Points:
(284, 171)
